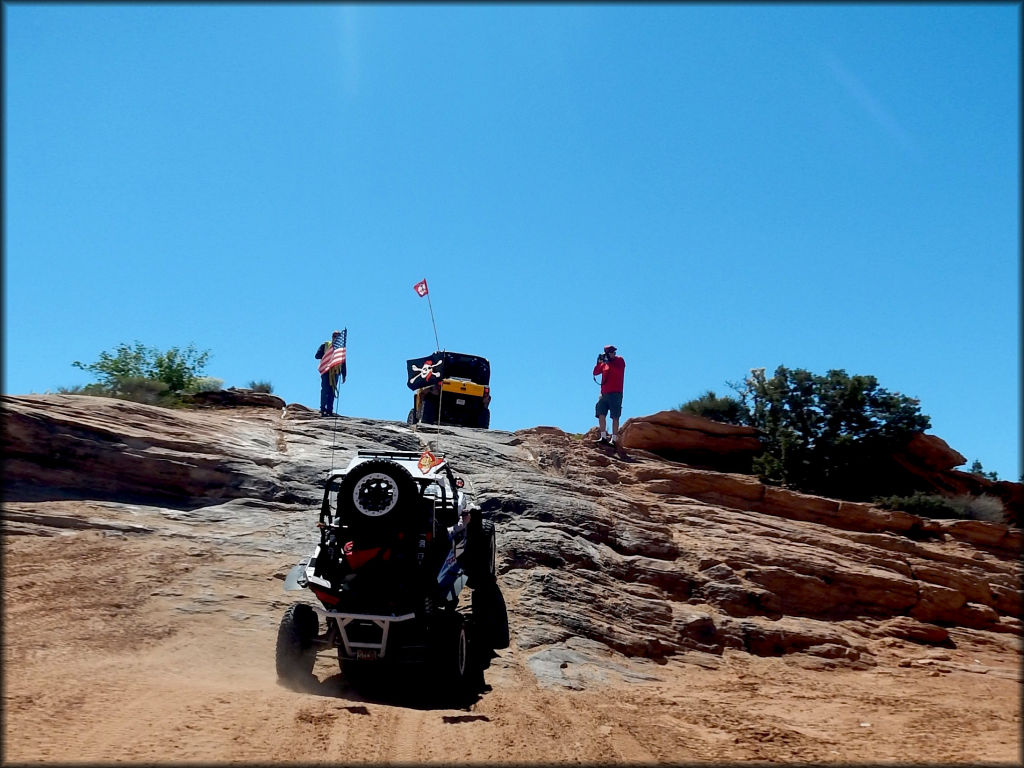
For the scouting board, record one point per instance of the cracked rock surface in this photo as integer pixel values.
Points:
(617, 569)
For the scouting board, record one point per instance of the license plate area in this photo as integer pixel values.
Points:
(365, 654)
(460, 401)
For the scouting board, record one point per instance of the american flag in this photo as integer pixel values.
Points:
(335, 355)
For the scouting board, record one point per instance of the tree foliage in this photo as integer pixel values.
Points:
(977, 469)
(823, 434)
(137, 371)
(725, 409)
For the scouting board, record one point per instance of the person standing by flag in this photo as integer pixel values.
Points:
(332, 357)
(613, 370)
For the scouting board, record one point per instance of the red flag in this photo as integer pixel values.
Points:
(421, 288)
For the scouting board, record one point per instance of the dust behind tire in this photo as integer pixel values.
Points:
(295, 653)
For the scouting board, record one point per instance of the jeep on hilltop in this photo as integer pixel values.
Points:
(450, 388)
(399, 544)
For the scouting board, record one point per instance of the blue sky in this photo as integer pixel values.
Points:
(712, 188)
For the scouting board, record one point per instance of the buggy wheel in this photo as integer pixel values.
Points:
(295, 652)
(484, 419)
(374, 490)
(481, 555)
(411, 418)
(452, 660)
(490, 552)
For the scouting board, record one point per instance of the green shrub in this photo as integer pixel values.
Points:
(921, 504)
(964, 507)
(206, 384)
(261, 386)
(177, 368)
(725, 409)
(141, 389)
(96, 390)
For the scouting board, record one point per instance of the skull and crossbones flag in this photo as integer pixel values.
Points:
(424, 371)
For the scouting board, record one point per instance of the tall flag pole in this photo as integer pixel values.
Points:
(421, 291)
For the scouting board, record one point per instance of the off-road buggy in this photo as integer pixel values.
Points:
(450, 388)
(399, 543)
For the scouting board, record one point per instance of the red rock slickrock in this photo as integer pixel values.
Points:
(164, 536)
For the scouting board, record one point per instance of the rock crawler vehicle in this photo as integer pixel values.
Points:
(399, 544)
(455, 391)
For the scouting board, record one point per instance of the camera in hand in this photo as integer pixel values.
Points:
(603, 357)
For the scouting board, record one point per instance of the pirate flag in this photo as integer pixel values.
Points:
(424, 371)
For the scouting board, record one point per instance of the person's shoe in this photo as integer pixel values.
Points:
(602, 438)
(611, 439)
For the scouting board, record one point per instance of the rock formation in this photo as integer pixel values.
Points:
(926, 462)
(692, 439)
(644, 555)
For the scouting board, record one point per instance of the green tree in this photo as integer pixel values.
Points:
(824, 434)
(125, 362)
(725, 409)
(178, 368)
(123, 371)
(977, 469)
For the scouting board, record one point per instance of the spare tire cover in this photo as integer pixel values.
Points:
(375, 488)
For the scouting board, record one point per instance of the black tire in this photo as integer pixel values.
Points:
(490, 617)
(481, 553)
(373, 492)
(453, 659)
(428, 413)
(411, 418)
(484, 419)
(295, 652)
(489, 555)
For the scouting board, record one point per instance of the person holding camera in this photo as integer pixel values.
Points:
(612, 369)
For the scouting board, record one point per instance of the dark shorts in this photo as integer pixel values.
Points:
(609, 403)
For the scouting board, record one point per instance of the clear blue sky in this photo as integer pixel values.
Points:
(712, 188)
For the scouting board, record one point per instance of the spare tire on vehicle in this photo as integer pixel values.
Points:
(372, 494)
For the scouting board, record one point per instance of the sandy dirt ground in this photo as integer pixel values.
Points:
(158, 649)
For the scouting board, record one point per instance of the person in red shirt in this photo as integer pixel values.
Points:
(612, 369)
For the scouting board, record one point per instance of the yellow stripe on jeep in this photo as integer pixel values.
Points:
(463, 387)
